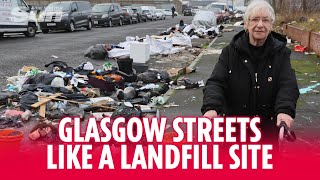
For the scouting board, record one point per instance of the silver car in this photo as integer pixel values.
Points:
(160, 14)
(150, 14)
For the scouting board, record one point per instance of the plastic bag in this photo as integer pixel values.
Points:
(41, 79)
(97, 51)
(126, 112)
(153, 76)
(299, 48)
(204, 18)
(74, 111)
(27, 100)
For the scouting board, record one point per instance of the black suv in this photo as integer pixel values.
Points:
(107, 14)
(67, 15)
(188, 12)
(138, 13)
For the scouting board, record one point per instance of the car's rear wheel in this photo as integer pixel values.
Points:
(31, 30)
(45, 31)
(71, 27)
(89, 27)
(1, 35)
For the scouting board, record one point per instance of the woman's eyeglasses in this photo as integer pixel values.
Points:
(264, 20)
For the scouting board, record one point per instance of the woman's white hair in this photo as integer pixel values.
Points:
(256, 6)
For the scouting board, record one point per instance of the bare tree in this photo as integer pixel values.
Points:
(313, 6)
(304, 5)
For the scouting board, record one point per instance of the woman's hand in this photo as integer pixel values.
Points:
(286, 118)
(211, 114)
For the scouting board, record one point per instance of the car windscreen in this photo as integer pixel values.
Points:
(134, 10)
(58, 6)
(145, 11)
(100, 8)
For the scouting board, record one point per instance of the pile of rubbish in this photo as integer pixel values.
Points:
(44, 95)
(59, 90)
(175, 39)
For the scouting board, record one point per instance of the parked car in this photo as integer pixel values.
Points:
(195, 10)
(220, 5)
(66, 15)
(140, 15)
(160, 14)
(188, 12)
(107, 14)
(150, 14)
(128, 16)
(168, 12)
(17, 18)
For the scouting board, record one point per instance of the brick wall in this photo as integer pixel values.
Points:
(315, 42)
(298, 34)
(311, 40)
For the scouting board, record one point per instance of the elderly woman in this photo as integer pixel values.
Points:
(253, 76)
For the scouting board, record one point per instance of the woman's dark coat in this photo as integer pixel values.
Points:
(240, 87)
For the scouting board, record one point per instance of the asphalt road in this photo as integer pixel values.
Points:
(17, 51)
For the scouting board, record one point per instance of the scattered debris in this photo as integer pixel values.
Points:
(299, 48)
(119, 88)
(170, 105)
(54, 56)
(308, 89)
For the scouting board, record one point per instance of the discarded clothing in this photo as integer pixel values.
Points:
(55, 66)
(14, 121)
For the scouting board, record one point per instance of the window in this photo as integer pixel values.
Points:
(74, 6)
(57, 6)
(101, 8)
(83, 6)
(22, 4)
(112, 8)
(116, 8)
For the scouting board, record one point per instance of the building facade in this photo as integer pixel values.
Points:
(157, 3)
